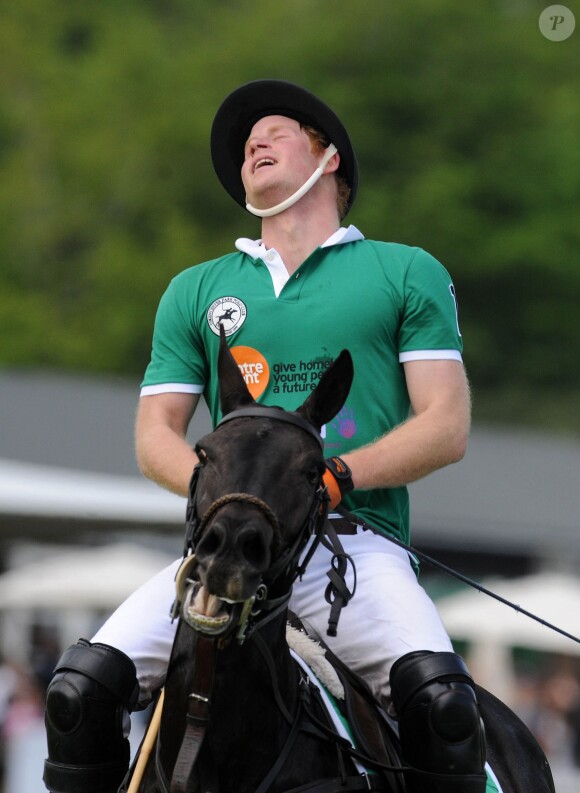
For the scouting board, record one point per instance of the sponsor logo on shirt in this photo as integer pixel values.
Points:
(230, 312)
(254, 368)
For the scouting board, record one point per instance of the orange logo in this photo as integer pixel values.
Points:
(254, 368)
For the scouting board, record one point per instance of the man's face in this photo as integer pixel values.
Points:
(278, 159)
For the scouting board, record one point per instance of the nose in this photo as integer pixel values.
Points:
(257, 143)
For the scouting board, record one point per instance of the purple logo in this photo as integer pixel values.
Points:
(344, 423)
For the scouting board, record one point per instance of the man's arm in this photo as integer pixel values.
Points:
(435, 435)
(163, 453)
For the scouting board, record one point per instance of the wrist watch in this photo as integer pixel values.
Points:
(342, 473)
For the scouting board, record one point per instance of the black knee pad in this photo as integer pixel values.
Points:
(94, 686)
(441, 730)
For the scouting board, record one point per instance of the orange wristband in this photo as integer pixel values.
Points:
(333, 489)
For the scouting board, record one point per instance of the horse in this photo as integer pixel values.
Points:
(239, 714)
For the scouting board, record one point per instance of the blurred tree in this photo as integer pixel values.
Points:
(466, 123)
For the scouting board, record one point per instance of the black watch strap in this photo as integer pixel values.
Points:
(341, 472)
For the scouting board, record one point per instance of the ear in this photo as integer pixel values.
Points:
(331, 392)
(234, 393)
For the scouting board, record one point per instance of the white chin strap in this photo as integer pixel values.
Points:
(288, 202)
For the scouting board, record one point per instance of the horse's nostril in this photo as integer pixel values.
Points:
(211, 542)
(244, 544)
(254, 549)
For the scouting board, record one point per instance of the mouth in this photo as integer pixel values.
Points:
(209, 614)
(264, 162)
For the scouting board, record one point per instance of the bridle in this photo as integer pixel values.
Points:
(260, 608)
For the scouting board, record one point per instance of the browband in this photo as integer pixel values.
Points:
(257, 411)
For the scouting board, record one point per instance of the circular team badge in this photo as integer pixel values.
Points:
(227, 311)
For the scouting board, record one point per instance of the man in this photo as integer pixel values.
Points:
(289, 303)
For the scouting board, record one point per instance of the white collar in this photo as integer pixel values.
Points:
(273, 261)
(342, 235)
(257, 250)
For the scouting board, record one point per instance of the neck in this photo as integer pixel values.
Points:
(298, 231)
(245, 706)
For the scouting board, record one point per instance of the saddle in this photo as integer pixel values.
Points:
(375, 740)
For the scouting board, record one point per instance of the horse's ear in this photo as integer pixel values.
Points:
(331, 392)
(234, 393)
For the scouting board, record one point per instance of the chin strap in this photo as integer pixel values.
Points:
(288, 202)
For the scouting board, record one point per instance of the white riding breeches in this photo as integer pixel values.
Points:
(389, 616)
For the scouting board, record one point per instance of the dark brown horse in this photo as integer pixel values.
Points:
(239, 715)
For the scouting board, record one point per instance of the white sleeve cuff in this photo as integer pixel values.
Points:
(171, 388)
(430, 355)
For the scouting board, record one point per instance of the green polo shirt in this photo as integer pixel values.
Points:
(386, 303)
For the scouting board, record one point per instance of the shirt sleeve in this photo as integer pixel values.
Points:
(177, 358)
(430, 328)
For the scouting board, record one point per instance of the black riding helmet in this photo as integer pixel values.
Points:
(248, 104)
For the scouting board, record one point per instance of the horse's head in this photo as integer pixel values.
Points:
(259, 493)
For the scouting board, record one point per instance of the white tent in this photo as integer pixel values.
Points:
(49, 491)
(493, 628)
(73, 592)
(92, 578)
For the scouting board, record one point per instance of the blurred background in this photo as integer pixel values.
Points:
(466, 122)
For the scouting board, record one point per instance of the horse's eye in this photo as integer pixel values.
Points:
(201, 454)
(313, 476)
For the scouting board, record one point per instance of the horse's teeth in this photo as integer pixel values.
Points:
(206, 605)
(209, 622)
(213, 606)
(200, 600)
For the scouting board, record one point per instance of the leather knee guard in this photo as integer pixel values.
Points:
(94, 686)
(441, 731)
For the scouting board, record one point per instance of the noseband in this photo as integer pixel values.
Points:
(287, 562)
(244, 498)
